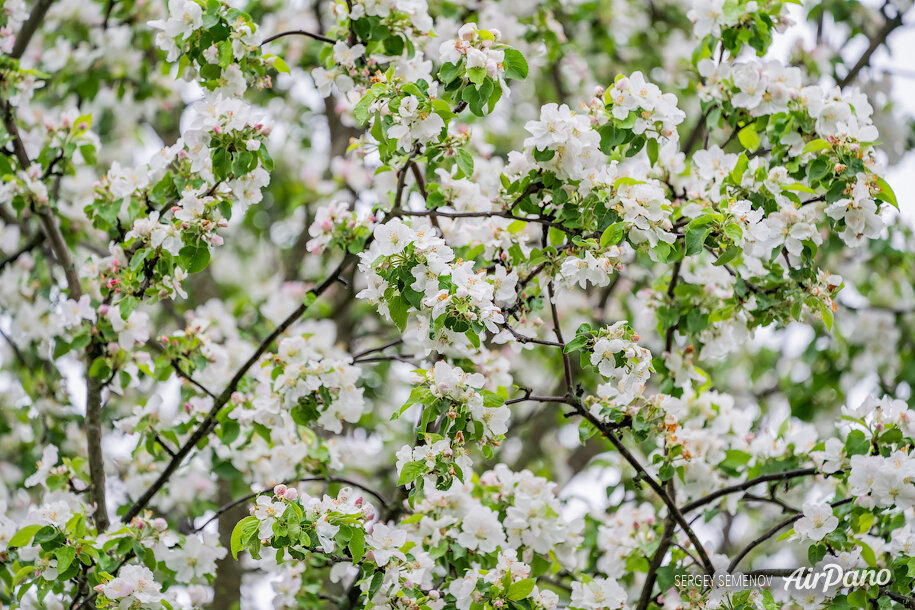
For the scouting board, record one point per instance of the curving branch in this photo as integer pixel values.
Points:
(771, 532)
(209, 422)
(226, 507)
(724, 491)
(299, 33)
(668, 501)
(30, 27)
(889, 25)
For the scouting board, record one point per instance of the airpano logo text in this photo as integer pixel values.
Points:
(832, 576)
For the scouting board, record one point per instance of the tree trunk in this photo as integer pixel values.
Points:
(227, 586)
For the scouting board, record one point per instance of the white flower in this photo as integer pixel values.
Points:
(133, 583)
(481, 530)
(817, 521)
(48, 460)
(196, 558)
(56, 514)
(346, 55)
(393, 236)
(599, 594)
(266, 511)
(707, 17)
(184, 16)
(385, 543)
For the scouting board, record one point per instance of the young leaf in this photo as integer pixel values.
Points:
(515, 65)
(748, 137)
(235, 544)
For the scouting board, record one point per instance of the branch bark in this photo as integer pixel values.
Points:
(92, 421)
(30, 27)
(771, 532)
(209, 422)
(879, 39)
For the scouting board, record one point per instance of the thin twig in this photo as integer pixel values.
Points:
(222, 509)
(299, 33)
(209, 422)
(724, 491)
(771, 532)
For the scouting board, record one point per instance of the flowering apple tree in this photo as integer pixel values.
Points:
(466, 305)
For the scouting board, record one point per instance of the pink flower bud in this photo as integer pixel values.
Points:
(291, 494)
(279, 490)
(103, 310)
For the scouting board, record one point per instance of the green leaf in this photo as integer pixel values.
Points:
(886, 193)
(626, 181)
(800, 188)
(65, 556)
(612, 234)
(748, 137)
(739, 168)
(82, 124)
(235, 543)
(464, 162)
(410, 471)
(857, 443)
(448, 72)
(361, 110)
(651, 147)
(516, 226)
(194, 258)
(727, 256)
(520, 590)
(23, 536)
(22, 573)
(280, 65)
(695, 239)
(398, 307)
(476, 75)
(515, 65)
(357, 544)
(815, 145)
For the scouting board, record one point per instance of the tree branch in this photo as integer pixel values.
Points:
(771, 532)
(299, 33)
(30, 27)
(209, 422)
(776, 476)
(252, 495)
(566, 361)
(879, 38)
(655, 486)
